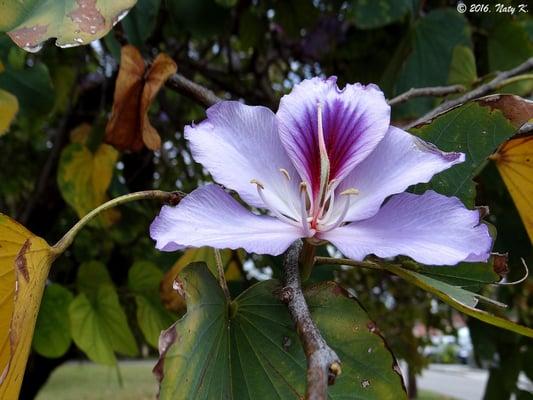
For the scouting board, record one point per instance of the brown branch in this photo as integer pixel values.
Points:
(434, 91)
(473, 94)
(191, 89)
(323, 364)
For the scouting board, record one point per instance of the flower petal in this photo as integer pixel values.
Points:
(431, 228)
(211, 217)
(399, 161)
(354, 121)
(238, 143)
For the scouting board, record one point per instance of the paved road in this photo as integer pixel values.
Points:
(457, 381)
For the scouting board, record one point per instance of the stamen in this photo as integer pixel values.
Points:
(286, 173)
(328, 213)
(340, 219)
(303, 209)
(276, 213)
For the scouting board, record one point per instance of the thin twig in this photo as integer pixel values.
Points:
(434, 91)
(323, 364)
(221, 276)
(191, 89)
(473, 94)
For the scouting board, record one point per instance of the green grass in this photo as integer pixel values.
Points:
(87, 381)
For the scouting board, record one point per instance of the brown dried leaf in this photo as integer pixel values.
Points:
(516, 109)
(129, 127)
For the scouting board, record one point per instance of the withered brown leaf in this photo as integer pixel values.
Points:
(129, 127)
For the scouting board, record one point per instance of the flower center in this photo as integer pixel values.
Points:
(319, 212)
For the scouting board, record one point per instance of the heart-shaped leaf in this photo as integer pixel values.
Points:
(248, 348)
(84, 177)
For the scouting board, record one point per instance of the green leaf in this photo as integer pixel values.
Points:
(462, 67)
(32, 87)
(508, 45)
(144, 279)
(99, 326)
(458, 298)
(368, 14)
(52, 331)
(249, 349)
(141, 21)
(472, 129)
(72, 22)
(92, 275)
(433, 40)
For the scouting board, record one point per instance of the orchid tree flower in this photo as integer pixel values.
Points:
(327, 167)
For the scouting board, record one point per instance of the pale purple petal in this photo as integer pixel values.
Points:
(211, 217)
(431, 228)
(354, 121)
(399, 161)
(238, 143)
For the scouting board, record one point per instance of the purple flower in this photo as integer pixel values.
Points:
(327, 167)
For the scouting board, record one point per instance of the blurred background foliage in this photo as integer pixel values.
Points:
(55, 167)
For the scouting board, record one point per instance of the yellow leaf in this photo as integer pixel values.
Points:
(25, 261)
(9, 107)
(84, 177)
(514, 160)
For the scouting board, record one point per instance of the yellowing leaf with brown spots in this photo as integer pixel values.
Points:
(83, 177)
(25, 260)
(9, 107)
(136, 88)
(514, 160)
(73, 22)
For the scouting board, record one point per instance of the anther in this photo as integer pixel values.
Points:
(259, 184)
(351, 191)
(286, 173)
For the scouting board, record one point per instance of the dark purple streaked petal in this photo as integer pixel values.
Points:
(431, 228)
(354, 120)
(399, 161)
(211, 217)
(238, 143)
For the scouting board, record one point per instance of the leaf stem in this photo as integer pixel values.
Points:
(221, 276)
(68, 238)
